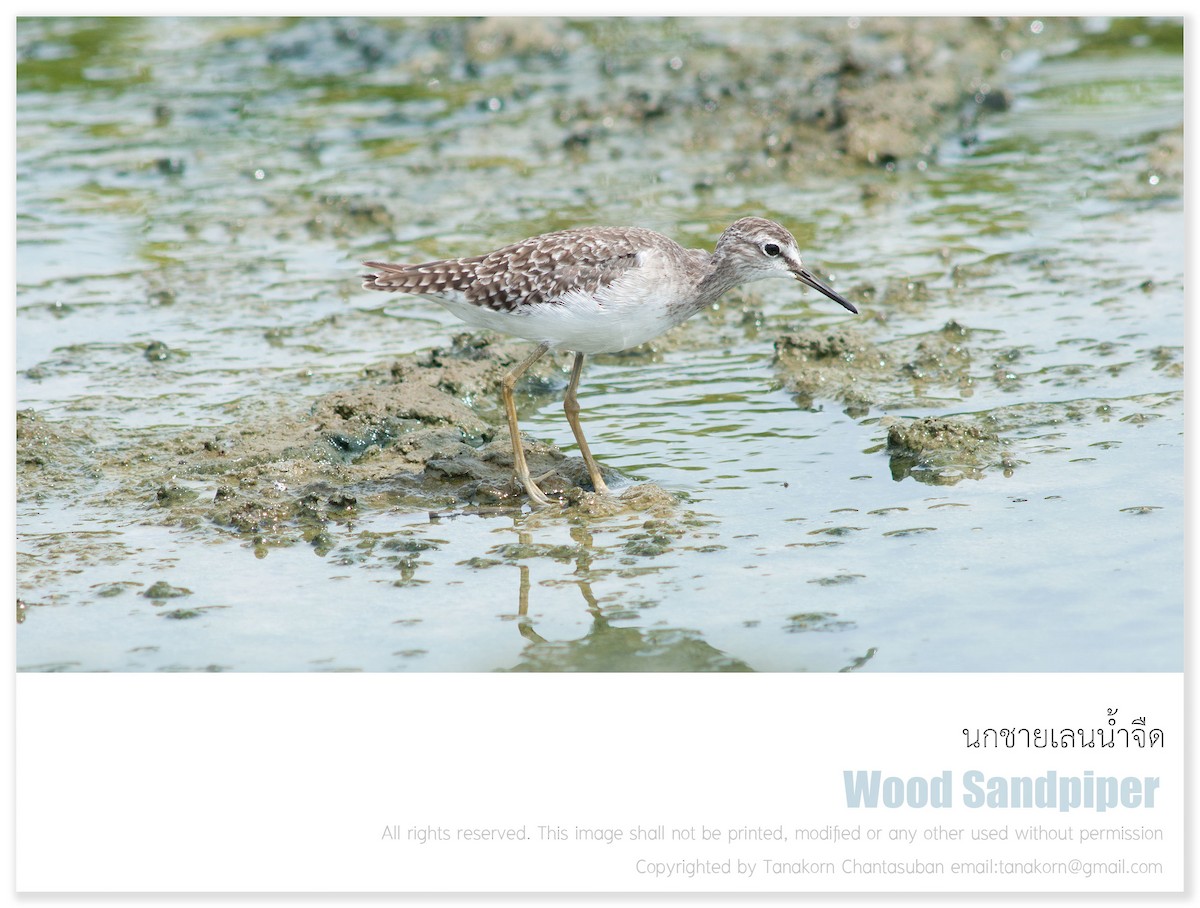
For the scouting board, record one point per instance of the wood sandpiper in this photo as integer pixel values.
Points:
(594, 290)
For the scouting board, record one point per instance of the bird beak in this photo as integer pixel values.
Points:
(804, 277)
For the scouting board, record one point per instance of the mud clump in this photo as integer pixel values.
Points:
(896, 94)
(941, 359)
(844, 365)
(942, 450)
(880, 95)
(1160, 172)
(349, 216)
(837, 364)
(51, 457)
(163, 590)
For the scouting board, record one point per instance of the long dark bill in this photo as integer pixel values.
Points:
(804, 277)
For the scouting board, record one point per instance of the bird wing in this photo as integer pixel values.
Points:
(542, 269)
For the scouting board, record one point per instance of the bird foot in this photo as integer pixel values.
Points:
(537, 497)
(598, 485)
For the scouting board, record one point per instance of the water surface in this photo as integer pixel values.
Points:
(193, 198)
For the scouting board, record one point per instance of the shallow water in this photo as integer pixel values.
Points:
(207, 185)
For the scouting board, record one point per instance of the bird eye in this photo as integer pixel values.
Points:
(771, 249)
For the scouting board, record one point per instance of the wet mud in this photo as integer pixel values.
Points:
(409, 435)
(942, 451)
(422, 432)
(869, 106)
(835, 96)
(425, 431)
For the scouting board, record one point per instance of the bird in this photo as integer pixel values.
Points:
(590, 290)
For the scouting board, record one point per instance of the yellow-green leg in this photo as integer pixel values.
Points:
(571, 407)
(520, 467)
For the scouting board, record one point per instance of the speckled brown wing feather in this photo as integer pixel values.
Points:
(541, 269)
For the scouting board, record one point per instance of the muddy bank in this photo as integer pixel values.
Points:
(404, 436)
(788, 94)
(426, 432)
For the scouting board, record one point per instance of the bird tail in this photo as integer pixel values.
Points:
(372, 281)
